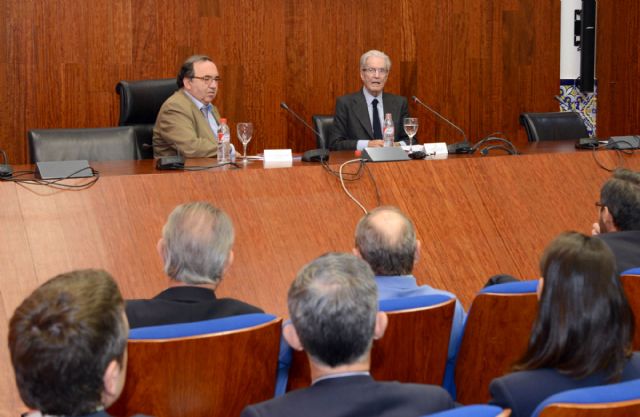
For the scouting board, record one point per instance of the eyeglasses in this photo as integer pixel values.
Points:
(208, 79)
(600, 205)
(373, 71)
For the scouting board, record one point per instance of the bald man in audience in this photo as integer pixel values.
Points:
(68, 345)
(386, 239)
(619, 218)
(196, 248)
(333, 305)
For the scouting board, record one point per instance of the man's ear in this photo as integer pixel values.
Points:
(230, 260)
(381, 325)
(416, 253)
(112, 383)
(291, 336)
(540, 287)
(160, 248)
(607, 219)
(356, 252)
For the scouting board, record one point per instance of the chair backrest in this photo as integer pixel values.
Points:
(631, 284)
(208, 368)
(140, 102)
(414, 347)
(613, 400)
(553, 126)
(477, 410)
(92, 144)
(496, 334)
(323, 123)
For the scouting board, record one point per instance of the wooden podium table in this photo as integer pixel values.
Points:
(475, 216)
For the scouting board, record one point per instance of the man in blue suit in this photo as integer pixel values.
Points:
(386, 239)
(359, 117)
(333, 304)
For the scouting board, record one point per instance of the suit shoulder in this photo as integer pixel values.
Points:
(239, 306)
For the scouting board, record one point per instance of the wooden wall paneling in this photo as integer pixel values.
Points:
(618, 68)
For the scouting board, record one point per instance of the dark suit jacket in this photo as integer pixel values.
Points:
(353, 396)
(625, 247)
(523, 391)
(352, 123)
(184, 305)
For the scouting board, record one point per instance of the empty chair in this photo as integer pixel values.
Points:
(414, 347)
(209, 368)
(553, 126)
(478, 410)
(140, 102)
(496, 334)
(323, 124)
(614, 400)
(631, 284)
(92, 144)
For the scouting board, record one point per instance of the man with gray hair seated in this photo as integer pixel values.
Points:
(196, 247)
(333, 304)
(386, 238)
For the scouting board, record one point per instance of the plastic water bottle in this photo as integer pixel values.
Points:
(224, 142)
(388, 131)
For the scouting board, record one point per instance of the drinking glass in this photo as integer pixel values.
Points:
(410, 128)
(245, 131)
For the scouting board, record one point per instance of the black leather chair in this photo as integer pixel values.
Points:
(553, 126)
(140, 102)
(92, 144)
(323, 124)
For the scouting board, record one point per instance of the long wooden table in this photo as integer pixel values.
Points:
(475, 216)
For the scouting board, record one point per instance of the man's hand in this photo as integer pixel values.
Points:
(377, 143)
(595, 229)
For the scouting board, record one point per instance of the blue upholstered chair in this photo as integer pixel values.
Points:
(474, 411)
(632, 271)
(422, 324)
(202, 368)
(620, 400)
(496, 334)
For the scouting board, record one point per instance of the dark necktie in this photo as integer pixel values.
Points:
(377, 130)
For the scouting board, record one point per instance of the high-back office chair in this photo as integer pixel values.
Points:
(496, 334)
(614, 400)
(140, 102)
(211, 368)
(323, 124)
(553, 126)
(478, 410)
(92, 144)
(414, 347)
(631, 283)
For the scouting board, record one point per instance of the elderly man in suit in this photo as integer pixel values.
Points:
(196, 247)
(333, 304)
(359, 117)
(187, 123)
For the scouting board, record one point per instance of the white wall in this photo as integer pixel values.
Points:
(569, 55)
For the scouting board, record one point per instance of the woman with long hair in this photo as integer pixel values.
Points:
(584, 329)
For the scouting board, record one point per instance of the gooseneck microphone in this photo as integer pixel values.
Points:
(314, 155)
(460, 147)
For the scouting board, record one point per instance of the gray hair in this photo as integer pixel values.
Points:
(388, 248)
(197, 241)
(376, 53)
(333, 304)
(186, 70)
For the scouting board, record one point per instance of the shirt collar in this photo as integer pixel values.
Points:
(369, 98)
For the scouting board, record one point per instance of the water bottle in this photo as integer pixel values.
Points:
(388, 131)
(224, 142)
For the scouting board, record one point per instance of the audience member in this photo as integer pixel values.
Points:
(68, 343)
(386, 239)
(187, 123)
(582, 335)
(359, 117)
(196, 249)
(333, 304)
(619, 218)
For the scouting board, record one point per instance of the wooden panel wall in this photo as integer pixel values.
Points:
(480, 63)
(618, 67)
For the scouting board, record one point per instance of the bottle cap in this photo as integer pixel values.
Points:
(223, 120)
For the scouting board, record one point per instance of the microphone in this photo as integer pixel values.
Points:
(314, 155)
(460, 147)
